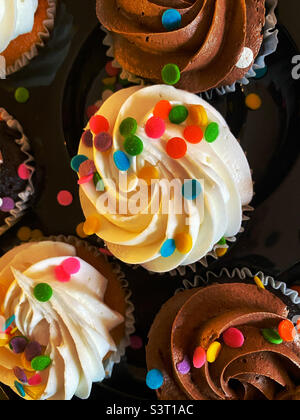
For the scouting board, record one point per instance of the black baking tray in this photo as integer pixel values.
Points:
(65, 79)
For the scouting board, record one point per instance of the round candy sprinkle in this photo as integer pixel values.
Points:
(85, 179)
(24, 172)
(22, 95)
(18, 344)
(103, 142)
(171, 19)
(32, 350)
(71, 265)
(91, 225)
(7, 205)
(162, 109)
(98, 182)
(271, 336)
(77, 161)
(35, 380)
(79, 230)
(43, 292)
(199, 358)
(184, 367)
(155, 127)
(260, 73)
(65, 198)
(133, 145)
(191, 189)
(98, 124)
(213, 352)
(87, 168)
(170, 74)
(24, 234)
(61, 275)
(87, 138)
(9, 321)
(40, 363)
(193, 134)
(176, 148)
(253, 101)
(212, 132)
(149, 174)
(168, 248)
(233, 338)
(287, 331)
(20, 374)
(19, 387)
(111, 70)
(154, 379)
(221, 252)
(198, 115)
(121, 161)
(136, 342)
(184, 242)
(258, 282)
(128, 127)
(178, 114)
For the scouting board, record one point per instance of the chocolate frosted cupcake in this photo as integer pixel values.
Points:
(227, 341)
(16, 171)
(214, 43)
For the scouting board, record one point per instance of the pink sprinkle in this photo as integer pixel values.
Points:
(85, 179)
(199, 358)
(155, 127)
(64, 198)
(35, 380)
(233, 338)
(71, 266)
(61, 275)
(136, 342)
(111, 70)
(24, 172)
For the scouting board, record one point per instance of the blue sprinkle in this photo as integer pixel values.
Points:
(154, 379)
(260, 73)
(121, 160)
(8, 322)
(171, 19)
(168, 248)
(20, 389)
(77, 161)
(191, 189)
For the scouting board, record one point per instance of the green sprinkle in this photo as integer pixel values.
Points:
(22, 95)
(178, 114)
(271, 336)
(40, 363)
(170, 74)
(212, 132)
(133, 145)
(43, 292)
(222, 241)
(128, 127)
(98, 182)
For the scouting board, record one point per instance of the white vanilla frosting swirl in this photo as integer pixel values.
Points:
(16, 18)
(74, 325)
(221, 165)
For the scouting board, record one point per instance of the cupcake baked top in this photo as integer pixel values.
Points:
(199, 173)
(63, 327)
(222, 342)
(213, 42)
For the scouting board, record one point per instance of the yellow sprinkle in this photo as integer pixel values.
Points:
(148, 173)
(184, 242)
(213, 352)
(26, 364)
(37, 234)
(80, 232)
(198, 115)
(91, 225)
(13, 331)
(258, 282)
(109, 81)
(4, 340)
(24, 234)
(253, 101)
(221, 252)
(35, 392)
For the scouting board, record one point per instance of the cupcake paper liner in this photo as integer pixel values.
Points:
(33, 52)
(22, 204)
(269, 46)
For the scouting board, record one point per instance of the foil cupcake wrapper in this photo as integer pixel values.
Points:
(21, 205)
(33, 52)
(269, 46)
(129, 315)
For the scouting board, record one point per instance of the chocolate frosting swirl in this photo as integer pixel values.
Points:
(213, 37)
(198, 317)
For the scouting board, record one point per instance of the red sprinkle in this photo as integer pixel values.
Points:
(85, 179)
(24, 172)
(233, 338)
(111, 70)
(193, 134)
(98, 124)
(35, 380)
(199, 358)
(155, 127)
(64, 198)
(176, 148)
(61, 275)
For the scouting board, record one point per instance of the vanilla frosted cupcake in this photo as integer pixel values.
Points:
(64, 320)
(162, 179)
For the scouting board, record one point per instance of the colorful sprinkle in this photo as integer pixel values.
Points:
(18, 344)
(79, 231)
(91, 225)
(87, 168)
(171, 20)
(149, 174)
(32, 350)
(24, 172)
(233, 338)
(199, 358)
(43, 292)
(20, 374)
(71, 265)
(24, 234)
(133, 145)
(170, 74)
(176, 148)
(103, 142)
(162, 109)
(61, 275)
(35, 380)
(9, 321)
(178, 114)
(121, 161)
(184, 242)
(168, 248)
(22, 95)
(271, 336)
(222, 241)
(87, 138)
(98, 182)
(136, 342)
(193, 134)
(65, 198)
(213, 352)
(253, 101)
(154, 379)
(85, 179)
(260, 73)
(287, 331)
(7, 204)
(111, 70)
(258, 282)
(184, 367)
(221, 252)
(198, 115)
(128, 127)
(191, 189)
(155, 127)
(77, 161)
(40, 363)
(99, 124)
(212, 132)
(19, 387)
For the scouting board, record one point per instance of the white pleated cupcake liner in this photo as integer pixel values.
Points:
(129, 315)
(21, 205)
(269, 46)
(34, 50)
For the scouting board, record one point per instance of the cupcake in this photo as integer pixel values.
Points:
(214, 44)
(66, 318)
(163, 182)
(24, 26)
(16, 172)
(231, 340)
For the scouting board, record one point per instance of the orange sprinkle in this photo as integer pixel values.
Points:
(176, 148)
(221, 252)
(193, 134)
(287, 331)
(162, 109)
(253, 101)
